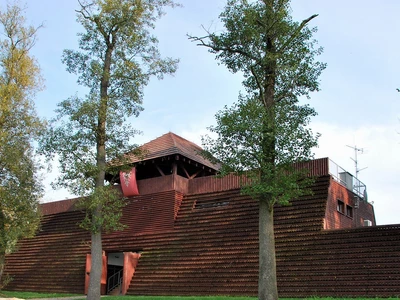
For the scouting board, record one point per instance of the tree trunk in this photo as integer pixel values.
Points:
(267, 283)
(2, 261)
(2, 245)
(94, 289)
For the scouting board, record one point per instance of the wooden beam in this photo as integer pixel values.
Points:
(184, 170)
(195, 174)
(159, 170)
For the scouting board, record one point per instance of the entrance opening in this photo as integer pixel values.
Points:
(121, 267)
(115, 268)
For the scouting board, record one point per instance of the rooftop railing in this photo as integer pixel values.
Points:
(348, 180)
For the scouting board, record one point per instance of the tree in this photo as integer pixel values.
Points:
(117, 57)
(20, 187)
(265, 132)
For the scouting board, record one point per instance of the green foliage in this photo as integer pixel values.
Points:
(263, 134)
(119, 29)
(239, 149)
(264, 43)
(20, 187)
(111, 203)
(73, 138)
(266, 131)
(117, 57)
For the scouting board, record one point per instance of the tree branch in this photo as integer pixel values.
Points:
(218, 49)
(294, 35)
(257, 81)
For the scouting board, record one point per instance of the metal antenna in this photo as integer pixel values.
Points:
(356, 150)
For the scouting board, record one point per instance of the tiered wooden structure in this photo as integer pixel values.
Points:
(198, 235)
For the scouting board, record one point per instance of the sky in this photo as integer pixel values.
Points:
(358, 105)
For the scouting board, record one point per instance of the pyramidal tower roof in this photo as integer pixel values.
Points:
(170, 144)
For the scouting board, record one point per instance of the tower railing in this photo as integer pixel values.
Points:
(115, 281)
(346, 179)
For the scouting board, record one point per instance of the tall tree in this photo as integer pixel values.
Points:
(20, 188)
(118, 55)
(266, 131)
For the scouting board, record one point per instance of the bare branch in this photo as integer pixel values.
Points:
(297, 31)
(225, 48)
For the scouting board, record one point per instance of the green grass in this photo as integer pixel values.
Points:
(32, 295)
(179, 298)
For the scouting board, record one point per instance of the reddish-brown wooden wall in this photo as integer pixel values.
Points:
(149, 213)
(162, 184)
(314, 168)
(361, 210)
(54, 260)
(58, 206)
(211, 248)
(361, 261)
(210, 184)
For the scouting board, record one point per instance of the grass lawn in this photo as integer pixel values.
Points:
(32, 295)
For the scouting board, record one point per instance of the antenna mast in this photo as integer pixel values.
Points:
(356, 150)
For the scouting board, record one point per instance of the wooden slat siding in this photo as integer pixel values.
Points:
(211, 184)
(214, 250)
(336, 220)
(53, 261)
(149, 213)
(178, 203)
(145, 186)
(180, 184)
(157, 184)
(316, 167)
(56, 207)
(354, 262)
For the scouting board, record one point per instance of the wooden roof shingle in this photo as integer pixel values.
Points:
(170, 144)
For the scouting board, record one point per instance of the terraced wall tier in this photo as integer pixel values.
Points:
(53, 261)
(207, 244)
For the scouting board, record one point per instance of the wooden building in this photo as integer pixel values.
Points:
(191, 233)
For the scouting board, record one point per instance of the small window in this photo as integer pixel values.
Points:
(340, 206)
(212, 204)
(349, 211)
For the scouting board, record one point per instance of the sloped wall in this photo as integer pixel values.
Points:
(339, 263)
(53, 261)
(212, 248)
(149, 213)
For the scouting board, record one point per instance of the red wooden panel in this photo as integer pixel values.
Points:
(128, 183)
(103, 273)
(58, 206)
(316, 167)
(130, 263)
